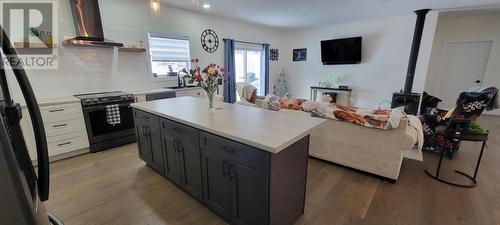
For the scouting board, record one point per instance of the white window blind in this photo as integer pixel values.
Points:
(168, 55)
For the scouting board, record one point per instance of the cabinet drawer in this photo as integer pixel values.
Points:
(181, 131)
(66, 143)
(63, 127)
(55, 112)
(244, 154)
(147, 118)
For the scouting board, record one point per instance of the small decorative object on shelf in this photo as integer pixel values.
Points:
(281, 87)
(274, 54)
(208, 79)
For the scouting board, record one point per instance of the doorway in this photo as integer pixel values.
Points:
(462, 66)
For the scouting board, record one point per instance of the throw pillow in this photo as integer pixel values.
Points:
(271, 102)
(291, 103)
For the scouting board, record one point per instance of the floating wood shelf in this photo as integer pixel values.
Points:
(132, 49)
(20, 45)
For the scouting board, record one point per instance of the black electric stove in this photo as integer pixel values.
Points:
(103, 135)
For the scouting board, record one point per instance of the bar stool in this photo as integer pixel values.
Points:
(457, 130)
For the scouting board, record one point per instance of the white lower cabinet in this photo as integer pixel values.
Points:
(64, 127)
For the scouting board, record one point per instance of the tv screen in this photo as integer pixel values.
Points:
(341, 51)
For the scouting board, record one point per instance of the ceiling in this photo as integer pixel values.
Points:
(308, 13)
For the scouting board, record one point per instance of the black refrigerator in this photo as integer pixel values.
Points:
(22, 190)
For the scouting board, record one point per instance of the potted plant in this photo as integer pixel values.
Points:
(208, 78)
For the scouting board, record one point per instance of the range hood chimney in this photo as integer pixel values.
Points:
(415, 47)
(88, 25)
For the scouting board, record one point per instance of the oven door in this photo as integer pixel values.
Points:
(100, 130)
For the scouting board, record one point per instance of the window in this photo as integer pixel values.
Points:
(168, 55)
(249, 68)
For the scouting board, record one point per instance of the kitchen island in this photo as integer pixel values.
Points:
(246, 164)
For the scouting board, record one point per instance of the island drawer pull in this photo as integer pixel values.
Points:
(224, 168)
(177, 129)
(228, 149)
(60, 125)
(56, 110)
(65, 143)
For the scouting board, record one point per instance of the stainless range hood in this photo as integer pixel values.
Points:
(88, 25)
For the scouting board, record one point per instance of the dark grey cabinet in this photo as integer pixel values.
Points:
(182, 159)
(190, 162)
(149, 140)
(171, 159)
(249, 195)
(216, 192)
(156, 149)
(242, 184)
(143, 143)
(235, 191)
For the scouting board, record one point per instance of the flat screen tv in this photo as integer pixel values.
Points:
(341, 51)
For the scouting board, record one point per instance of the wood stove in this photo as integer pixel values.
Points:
(407, 98)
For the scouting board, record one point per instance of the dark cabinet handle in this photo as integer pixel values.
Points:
(176, 146)
(232, 173)
(65, 143)
(60, 125)
(228, 149)
(224, 168)
(56, 110)
(177, 129)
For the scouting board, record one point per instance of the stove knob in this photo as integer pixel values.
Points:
(87, 101)
(95, 100)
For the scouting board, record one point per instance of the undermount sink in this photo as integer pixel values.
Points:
(181, 87)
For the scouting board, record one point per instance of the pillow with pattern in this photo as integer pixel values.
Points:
(291, 103)
(271, 102)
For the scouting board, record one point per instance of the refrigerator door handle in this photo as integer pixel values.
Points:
(36, 116)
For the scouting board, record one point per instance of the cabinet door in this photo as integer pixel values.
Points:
(215, 182)
(190, 161)
(143, 143)
(171, 158)
(249, 196)
(156, 149)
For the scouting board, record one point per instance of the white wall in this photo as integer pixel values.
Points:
(84, 70)
(465, 27)
(386, 50)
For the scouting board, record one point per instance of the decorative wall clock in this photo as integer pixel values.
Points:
(209, 40)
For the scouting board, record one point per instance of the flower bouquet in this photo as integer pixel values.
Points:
(209, 79)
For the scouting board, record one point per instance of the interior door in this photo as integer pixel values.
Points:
(191, 169)
(463, 65)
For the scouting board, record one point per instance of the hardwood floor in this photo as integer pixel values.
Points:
(115, 187)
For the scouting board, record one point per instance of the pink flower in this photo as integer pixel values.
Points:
(198, 78)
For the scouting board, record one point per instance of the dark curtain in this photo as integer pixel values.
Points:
(229, 75)
(266, 67)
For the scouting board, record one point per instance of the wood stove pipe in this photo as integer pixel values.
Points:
(415, 47)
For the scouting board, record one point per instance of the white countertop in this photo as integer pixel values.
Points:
(267, 130)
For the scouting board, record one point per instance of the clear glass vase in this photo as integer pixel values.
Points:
(210, 95)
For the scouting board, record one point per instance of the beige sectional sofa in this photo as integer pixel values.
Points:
(371, 150)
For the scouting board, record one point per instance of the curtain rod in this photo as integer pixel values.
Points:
(246, 42)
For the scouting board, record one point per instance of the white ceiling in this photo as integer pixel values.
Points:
(307, 13)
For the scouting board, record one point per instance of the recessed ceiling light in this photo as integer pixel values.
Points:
(206, 6)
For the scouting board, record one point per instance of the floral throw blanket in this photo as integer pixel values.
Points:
(374, 118)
